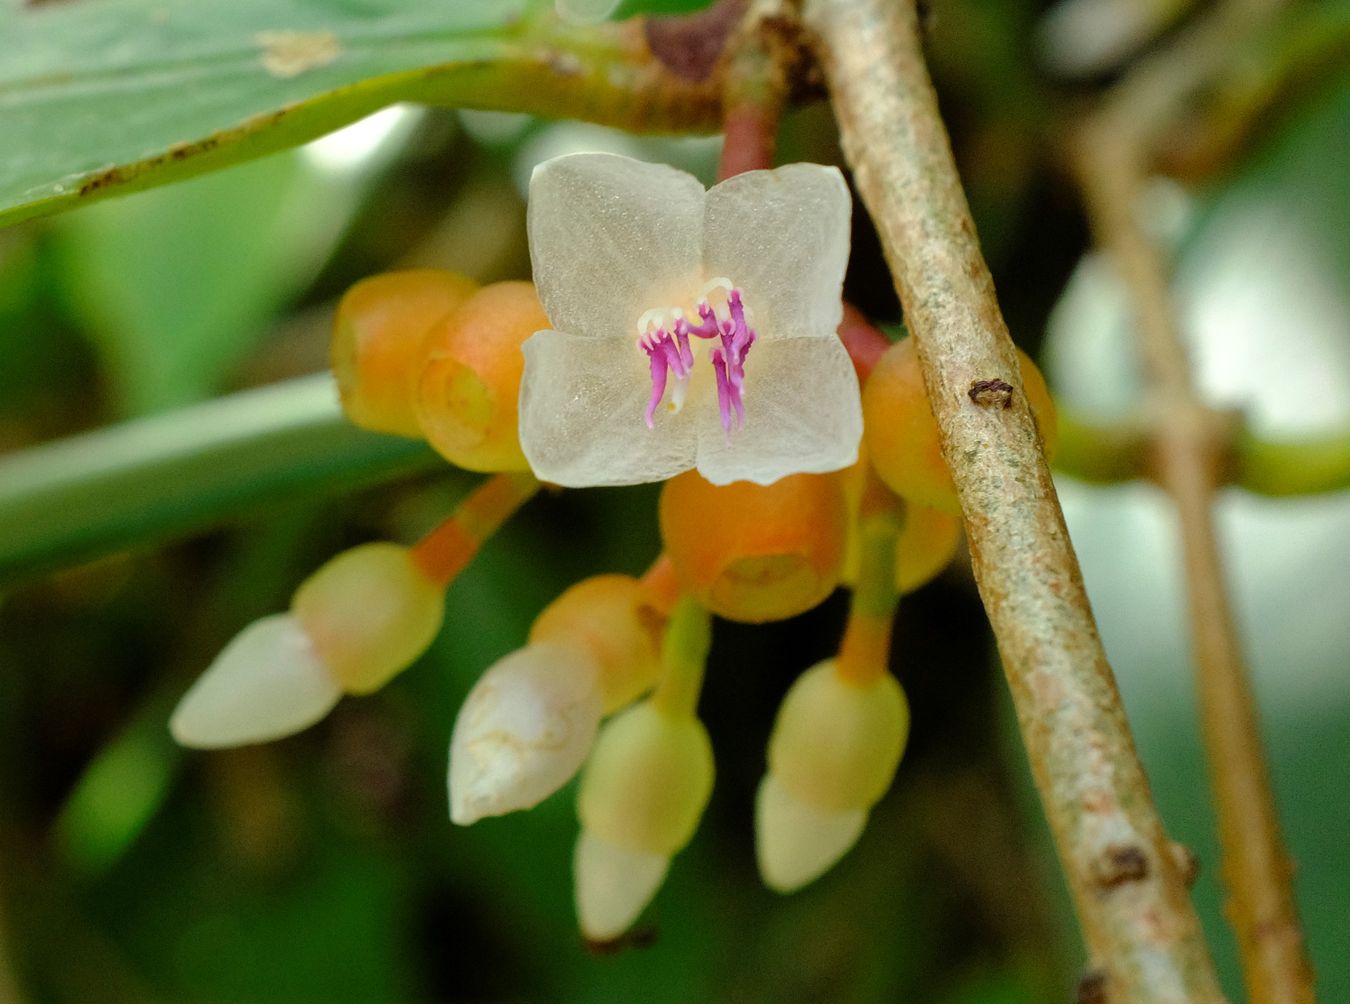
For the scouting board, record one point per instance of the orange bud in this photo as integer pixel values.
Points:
(928, 542)
(902, 435)
(470, 385)
(753, 552)
(377, 349)
(608, 616)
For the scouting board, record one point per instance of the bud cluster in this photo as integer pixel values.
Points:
(428, 353)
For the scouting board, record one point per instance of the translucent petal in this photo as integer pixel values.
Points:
(802, 415)
(611, 237)
(523, 731)
(581, 414)
(782, 236)
(796, 843)
(265, 684)
(613, 885)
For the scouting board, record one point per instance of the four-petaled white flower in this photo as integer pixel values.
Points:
(642, 272)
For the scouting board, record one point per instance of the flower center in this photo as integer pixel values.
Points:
(664, 335)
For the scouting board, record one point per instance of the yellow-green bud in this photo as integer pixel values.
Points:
(836, 743)
(647, 781)
(369, 612)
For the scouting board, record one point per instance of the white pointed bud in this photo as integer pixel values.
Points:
(796, 843)
(643, 792)
(523, 731)
(834, 751)
(613, 885)
(266, 683)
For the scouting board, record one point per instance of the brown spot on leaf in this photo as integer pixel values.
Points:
(288, 54)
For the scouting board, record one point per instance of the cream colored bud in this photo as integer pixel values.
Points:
(647, 781)
(370, 611)
(837, 742)
(796, 843)
(613, 885)
(523, 731)
(266, 683)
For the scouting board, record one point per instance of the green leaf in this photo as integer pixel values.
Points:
(99, 96)
(153, 477)
(176, 286)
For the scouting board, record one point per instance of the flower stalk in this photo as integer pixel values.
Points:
(444, 551)
(684, 657)
(866, 646)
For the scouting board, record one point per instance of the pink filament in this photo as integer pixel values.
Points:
(669, 351)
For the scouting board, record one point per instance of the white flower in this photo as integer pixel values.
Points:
(642, 272)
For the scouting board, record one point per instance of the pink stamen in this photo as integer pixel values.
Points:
(669, 351)
(660, 365)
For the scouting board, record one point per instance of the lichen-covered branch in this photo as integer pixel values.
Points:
(1191, 457)
(1127, 885)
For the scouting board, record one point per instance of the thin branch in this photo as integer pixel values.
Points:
(1192, 457)
(1126, 882)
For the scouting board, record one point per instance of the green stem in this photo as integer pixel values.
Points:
(684, 657)
(76, 498)
(1102, 453)
(1099, 453)
(1293, 467)
(865, 649)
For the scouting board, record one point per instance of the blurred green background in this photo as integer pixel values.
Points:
(324, 868)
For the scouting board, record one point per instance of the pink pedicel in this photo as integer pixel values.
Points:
(669, 352)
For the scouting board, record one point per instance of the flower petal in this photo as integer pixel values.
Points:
(802, 415)
(611, 237)
(582, 402)
(266, 683)
(782, 237)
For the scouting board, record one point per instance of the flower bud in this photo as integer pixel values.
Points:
(378, 343)
(370, 612)
(523, 731)
(753, 552)
(902, 434)
(468, 391)
(608, 616)
(796, 842)
(613, 885)
(837, 742)
(928, 541)
(833, 753)
(642, 794)
(267, 683)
